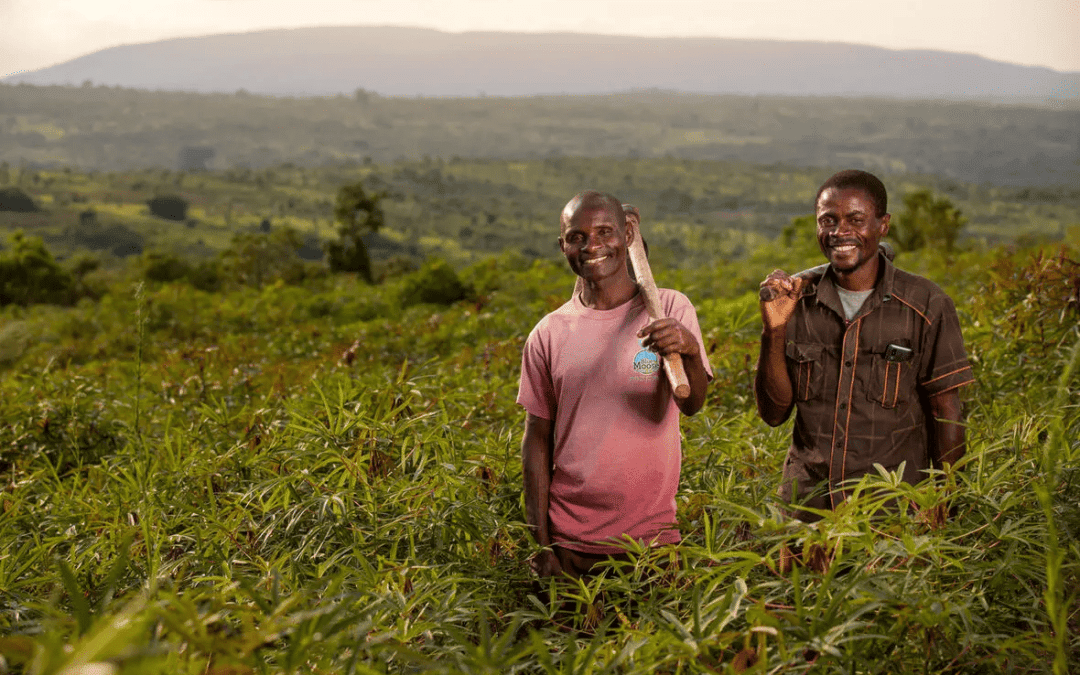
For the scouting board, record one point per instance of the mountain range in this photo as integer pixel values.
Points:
(415, 62)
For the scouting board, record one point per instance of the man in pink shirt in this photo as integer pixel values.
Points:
(601, 452)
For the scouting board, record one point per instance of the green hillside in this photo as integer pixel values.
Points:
(106, 129)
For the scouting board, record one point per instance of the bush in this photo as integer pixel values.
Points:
(119, 240)
(207, 276)
(257, 258)
(29, 274)
(436, 283)
(14, 199)
(169, 207)
(165, 267)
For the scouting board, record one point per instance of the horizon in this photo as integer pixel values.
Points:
(49, 33)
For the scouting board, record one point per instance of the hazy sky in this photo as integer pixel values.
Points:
(39, 33)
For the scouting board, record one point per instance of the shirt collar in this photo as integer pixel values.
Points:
(825, 288)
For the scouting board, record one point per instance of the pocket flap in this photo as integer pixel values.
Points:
(801, 352)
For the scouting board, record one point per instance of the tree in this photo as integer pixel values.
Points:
(356, 213)
(927, 221)
(256, 258)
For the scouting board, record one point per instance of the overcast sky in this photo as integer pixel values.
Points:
(40, 33)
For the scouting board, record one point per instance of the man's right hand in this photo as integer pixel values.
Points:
(779, 295)
(546, 564)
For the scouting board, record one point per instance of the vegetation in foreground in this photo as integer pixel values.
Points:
(314, 478)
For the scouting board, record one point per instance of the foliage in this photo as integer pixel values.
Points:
(29, 274)
(169, 207)
(356, 213)
(289, 504)
(435, 283)
(14, 199)
(257, 258)
(119, 240)
(927, 221)
(164, 267)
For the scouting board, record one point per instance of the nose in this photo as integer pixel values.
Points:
(592, 244)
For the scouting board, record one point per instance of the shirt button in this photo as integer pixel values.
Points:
(847, 364)
(843, 406)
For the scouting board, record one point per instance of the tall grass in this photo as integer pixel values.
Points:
(269, 508)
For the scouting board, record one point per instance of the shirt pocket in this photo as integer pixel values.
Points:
(805, 369)
(892, 376)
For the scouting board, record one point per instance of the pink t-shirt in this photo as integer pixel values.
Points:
(617, 448)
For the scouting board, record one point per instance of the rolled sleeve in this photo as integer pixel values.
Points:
(948, 366)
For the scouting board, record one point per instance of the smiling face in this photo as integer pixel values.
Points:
(848, 232)
(594, 240)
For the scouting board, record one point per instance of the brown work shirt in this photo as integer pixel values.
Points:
(862, 387)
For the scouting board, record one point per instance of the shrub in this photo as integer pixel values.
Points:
(165, 267)
(14, 199)
(118, 239)
(435, 283)
(29, 274)
(206, 276)
(257, 258)
(169, 207)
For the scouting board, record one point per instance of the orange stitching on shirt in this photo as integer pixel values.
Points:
(851, 390)
(928, 321)
(955, 386)
(896, 386)
(885, 385)
(941, 377)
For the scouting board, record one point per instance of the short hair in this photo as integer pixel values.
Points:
(862, 180)
(593, 199)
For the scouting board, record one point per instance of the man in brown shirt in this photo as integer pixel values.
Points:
(870, 356)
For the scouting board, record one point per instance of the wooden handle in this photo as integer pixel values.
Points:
(673, 365)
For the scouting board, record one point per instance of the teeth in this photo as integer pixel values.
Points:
(844, 249)
(595, 261)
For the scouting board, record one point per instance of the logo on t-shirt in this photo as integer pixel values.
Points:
(646, 362)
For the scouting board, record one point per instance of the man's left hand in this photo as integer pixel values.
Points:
(668, 336)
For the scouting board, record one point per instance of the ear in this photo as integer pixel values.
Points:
(562, 245)
(631, 228)
(885, 224)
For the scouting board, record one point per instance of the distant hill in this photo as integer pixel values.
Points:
(420, 62)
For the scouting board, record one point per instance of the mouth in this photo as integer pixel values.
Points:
(596, 261)
(843, 248)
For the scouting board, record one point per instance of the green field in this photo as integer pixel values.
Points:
(302, 475)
